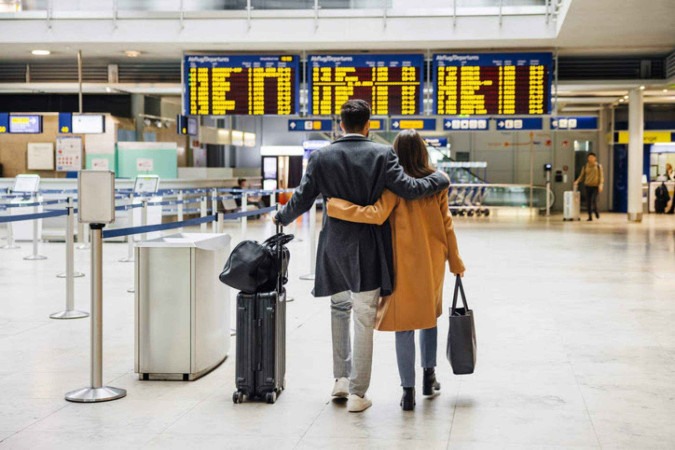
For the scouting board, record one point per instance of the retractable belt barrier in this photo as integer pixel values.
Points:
(119, 232)
(34, 216)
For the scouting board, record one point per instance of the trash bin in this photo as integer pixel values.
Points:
(182, 309)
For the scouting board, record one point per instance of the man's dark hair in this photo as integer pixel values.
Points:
(591, 154)
(355, 114)
(241, 181)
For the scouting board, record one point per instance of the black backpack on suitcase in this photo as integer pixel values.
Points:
(661, 199)
(261, 333)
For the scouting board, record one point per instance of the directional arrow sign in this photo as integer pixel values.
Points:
(521, 123)
(310, 125)
(400, 123)
(575, 123)
(473, 124)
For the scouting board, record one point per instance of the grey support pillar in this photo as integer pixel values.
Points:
(635, 150)
(138, 108)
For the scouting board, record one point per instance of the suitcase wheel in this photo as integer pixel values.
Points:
(271, 397)
(237, 397)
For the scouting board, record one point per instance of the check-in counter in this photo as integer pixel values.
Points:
(182, 314)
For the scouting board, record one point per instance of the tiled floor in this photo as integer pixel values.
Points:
(576, 343)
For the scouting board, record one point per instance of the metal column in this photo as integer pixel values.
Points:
(96, 392)
(635, 150)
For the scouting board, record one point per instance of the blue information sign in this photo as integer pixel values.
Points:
(4, 123)
(308, 125)
(436, 141)
(392, 84)
(241, 84)
(65, 122)
(520, 123)
(574, 123)
(473, 124)
(492, 83)
(403, 123)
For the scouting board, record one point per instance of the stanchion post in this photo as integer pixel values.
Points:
(96, 392)
(203, 212)
(144, 218)
(273, 198)
(130, 238)
(36, 256)
(10, 245)
(312, 244)
(214, 208)
(70, 243)
(220, 222)
(179, 206)
(244, 208)
(70, 312)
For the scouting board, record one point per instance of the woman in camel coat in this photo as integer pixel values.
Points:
(424, 239)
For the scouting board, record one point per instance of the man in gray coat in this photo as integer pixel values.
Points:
(354, 263)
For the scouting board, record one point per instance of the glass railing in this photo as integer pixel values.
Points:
(483, 195)
(255, 5)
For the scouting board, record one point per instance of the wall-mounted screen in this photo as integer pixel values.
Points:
(88, 123)
(392, 84)
(192, 126)
(25, 123)
(492, 84)
(240, 84)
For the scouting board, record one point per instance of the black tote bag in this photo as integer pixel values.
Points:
(461, 349)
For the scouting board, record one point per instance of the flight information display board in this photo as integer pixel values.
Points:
(392, 84)
(494, 84)
(241, 84)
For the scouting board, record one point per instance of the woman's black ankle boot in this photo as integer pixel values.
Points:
(430, 384)
(408, 399)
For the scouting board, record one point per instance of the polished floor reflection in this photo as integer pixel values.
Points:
(575, 334)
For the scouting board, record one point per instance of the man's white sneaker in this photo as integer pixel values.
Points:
(358, 404)
(341, 388)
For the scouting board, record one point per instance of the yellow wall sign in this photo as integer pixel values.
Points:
(649, 137)
(375, 124)
(3, 129)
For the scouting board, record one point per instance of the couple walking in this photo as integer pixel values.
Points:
(382, 250)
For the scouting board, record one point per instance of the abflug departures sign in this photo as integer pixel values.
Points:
(392, 84)
(492, 84)
(241, 84)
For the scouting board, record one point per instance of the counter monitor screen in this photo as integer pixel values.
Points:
(147, 184)
(249, 85)
(492, 84)
(392, 84)
(25, 123)
(88, 123)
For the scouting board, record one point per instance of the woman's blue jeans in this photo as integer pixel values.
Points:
(405, 353)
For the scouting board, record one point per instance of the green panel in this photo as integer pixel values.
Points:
(164, 162)
(91, 158)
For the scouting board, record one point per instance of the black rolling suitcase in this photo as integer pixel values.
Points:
(261, 338)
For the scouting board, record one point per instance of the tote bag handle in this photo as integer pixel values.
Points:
(458, 288)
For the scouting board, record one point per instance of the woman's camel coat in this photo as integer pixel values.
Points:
(423, 240)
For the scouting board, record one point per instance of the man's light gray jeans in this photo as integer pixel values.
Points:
(354, 365)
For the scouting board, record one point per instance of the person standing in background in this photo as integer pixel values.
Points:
(593, 179)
